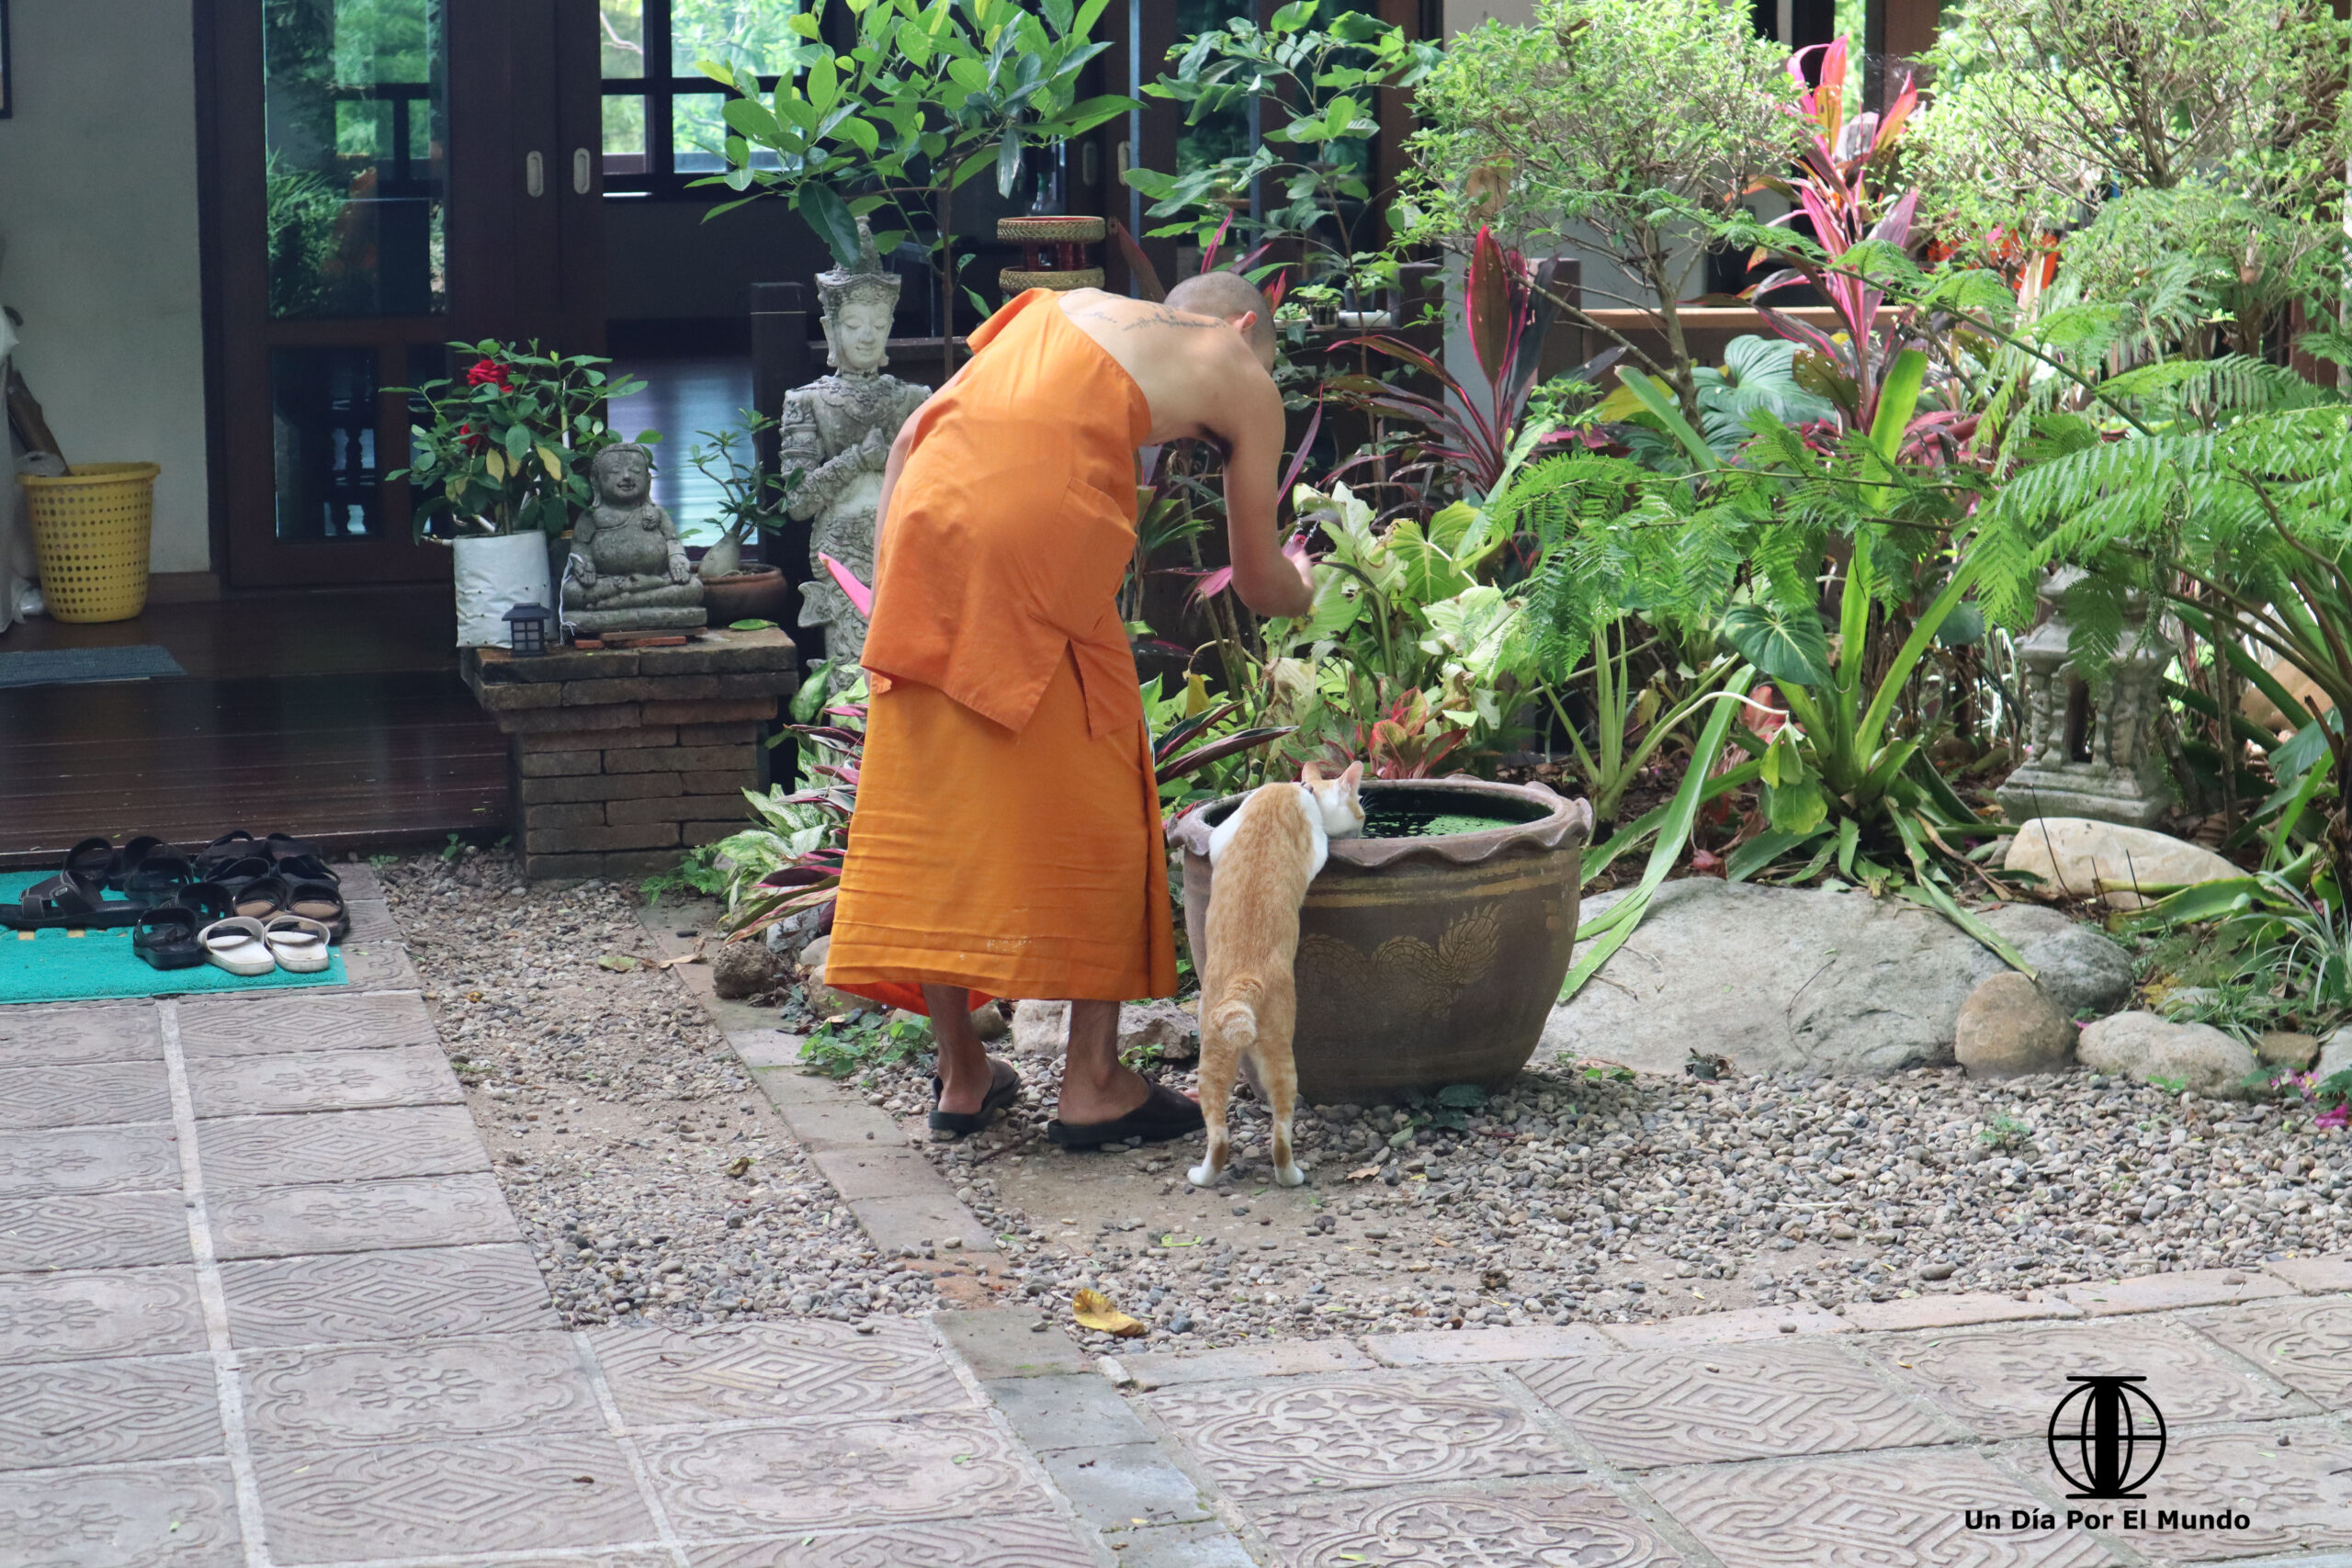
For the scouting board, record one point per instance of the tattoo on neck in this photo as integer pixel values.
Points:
(1149, 316)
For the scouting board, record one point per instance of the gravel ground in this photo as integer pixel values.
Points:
(652, 1179)
(1595, 1195)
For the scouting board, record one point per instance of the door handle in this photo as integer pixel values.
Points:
(583, 172)
(534, 175)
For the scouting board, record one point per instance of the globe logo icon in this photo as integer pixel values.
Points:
(2107, 1438)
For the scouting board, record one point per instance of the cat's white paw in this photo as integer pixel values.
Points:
(1201, 1176)
(1291, 1174)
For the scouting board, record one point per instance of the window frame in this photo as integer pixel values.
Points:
(661, 179)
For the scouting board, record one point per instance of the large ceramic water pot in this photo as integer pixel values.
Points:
(1426, 961)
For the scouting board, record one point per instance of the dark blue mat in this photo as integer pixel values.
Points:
(66, 666)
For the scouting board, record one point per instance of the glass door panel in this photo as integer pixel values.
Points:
(355, 112)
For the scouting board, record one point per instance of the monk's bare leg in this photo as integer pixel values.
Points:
(963, 1061)
(1096, 1086)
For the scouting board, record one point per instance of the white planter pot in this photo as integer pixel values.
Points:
(494, 576)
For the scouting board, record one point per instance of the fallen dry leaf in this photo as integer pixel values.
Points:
(741, 1164)
(1366, 1171)
(618, 962)
(1094, 1310)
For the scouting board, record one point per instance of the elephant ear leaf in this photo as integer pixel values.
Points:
(1785, 644)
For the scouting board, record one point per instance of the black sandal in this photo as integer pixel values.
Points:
(314, 899)
(124, 863)
(208, 900)
(236, 876)
(1004, 1088)
(226, 851)
(307, 868)
(259, 897)
(165, 937)
(157, 877)
(71, 900)
(1163, 1115)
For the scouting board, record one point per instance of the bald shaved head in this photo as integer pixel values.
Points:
(1226, 295)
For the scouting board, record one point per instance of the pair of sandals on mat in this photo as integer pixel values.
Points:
(171, 901)
(1164, 1115)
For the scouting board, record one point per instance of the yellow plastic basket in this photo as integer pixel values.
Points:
(91, 529)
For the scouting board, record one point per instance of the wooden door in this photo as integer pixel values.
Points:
(387, 176)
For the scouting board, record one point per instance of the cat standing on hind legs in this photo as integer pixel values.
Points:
(1262, 857)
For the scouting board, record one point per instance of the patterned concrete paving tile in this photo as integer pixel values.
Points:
(2293, 1480)
(2003, 1382)
(109, 1230)
(433, 1293)
(2307, 1345)
(795, 1371)
(757, 1480)
(1042, 1542)
(1664, 1407)
(109, 1411)
(340, 1146)
(1314, 1434)
(182, 1516)
(331, 1020)
(371, 922)
(93, 1316)
(455, 1390)
(29, 1036)
(323, 1080)
(1863, 1511)
(515, 1494)
(90, 1159)
(83, 1094)
(1539, 1525)
(360, 1216)
(382, 965)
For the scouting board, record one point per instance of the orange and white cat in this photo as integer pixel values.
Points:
(1264, 856)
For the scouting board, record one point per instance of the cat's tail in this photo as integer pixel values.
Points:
(1233, 1016)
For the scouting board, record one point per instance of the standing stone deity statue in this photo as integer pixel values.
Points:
(837, 431)
(627, 570)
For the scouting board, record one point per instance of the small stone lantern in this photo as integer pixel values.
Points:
(526, 629)
(2090, 753)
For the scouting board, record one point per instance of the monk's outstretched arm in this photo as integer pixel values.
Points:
(1268, 581)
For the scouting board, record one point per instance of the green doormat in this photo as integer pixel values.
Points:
(68, 966)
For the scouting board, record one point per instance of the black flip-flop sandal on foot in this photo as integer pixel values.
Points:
(1164, 1115)
(165, 937)
(1004, 1088)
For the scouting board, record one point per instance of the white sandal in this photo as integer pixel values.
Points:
(300, 945)
(239, 945)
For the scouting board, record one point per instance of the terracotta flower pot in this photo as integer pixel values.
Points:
(758, 594)
(1424, 962)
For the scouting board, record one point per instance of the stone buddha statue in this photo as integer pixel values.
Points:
(628, 571)
(837, 431)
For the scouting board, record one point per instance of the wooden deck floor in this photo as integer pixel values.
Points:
(335, 715)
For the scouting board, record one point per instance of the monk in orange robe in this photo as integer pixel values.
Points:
(1007, 838)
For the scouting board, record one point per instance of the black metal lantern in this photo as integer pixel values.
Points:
(527, 626)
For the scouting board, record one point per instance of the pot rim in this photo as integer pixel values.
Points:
(1566, 823)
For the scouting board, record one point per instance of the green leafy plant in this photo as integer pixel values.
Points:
(841, 1047)
(508, 445)
(928, 98)
(697, 874)
(2003, 1130)
(749, 495)
(1627, 124)
(1313, 87)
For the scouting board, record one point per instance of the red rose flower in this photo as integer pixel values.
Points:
(489, 372)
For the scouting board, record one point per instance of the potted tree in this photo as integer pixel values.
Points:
(750, 497)
(502, 467)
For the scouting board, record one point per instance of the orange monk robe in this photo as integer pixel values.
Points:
(1007, 834)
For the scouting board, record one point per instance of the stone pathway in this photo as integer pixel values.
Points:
(262, 1303)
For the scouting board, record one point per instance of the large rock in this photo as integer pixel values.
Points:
(1811, 980)
(741, 969)
(2335, 1056)
(2079, 857)
(1042, 1029)
(2008, 1027)
(2142, 1046)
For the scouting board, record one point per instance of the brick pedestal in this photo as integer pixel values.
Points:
(620, 760)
